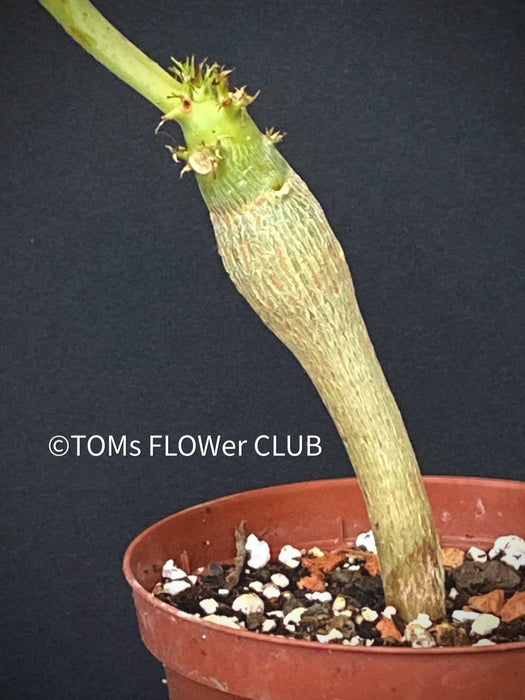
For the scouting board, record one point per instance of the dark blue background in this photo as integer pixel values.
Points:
(406, 120)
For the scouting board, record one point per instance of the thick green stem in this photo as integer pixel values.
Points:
(283, 257)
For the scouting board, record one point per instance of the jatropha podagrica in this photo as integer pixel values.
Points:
(283, 257)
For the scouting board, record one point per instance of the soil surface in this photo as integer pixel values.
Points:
(337, 597)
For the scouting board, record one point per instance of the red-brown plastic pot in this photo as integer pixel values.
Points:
(204, 661)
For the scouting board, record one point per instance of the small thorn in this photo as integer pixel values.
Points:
(274, 135)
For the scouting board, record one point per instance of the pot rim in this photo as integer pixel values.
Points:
(201, 624)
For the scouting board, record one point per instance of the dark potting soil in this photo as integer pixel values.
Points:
(337, 597)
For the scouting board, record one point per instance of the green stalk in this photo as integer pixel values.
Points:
(283, 257)
(97, 36)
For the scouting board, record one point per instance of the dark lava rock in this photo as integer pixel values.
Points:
(346, 576)
(318, 612)
(314, 619)
(477, 578)
(513, 631)
(344, 624)
(367, 591)
(254, 621)
(290, 603)
(367, 631)
(215, 577)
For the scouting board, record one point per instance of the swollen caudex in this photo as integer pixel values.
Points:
(283, 257)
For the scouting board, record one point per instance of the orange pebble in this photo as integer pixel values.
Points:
(453, 557)
(328, 562)
(372, 564)
(388, 629)
(514, 607)
(491, 602)
(312, 583)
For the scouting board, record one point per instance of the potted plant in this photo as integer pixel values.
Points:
(283, 257)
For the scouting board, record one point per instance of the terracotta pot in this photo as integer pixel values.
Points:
(204, 661)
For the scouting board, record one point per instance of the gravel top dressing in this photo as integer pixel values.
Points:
(337, 597)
